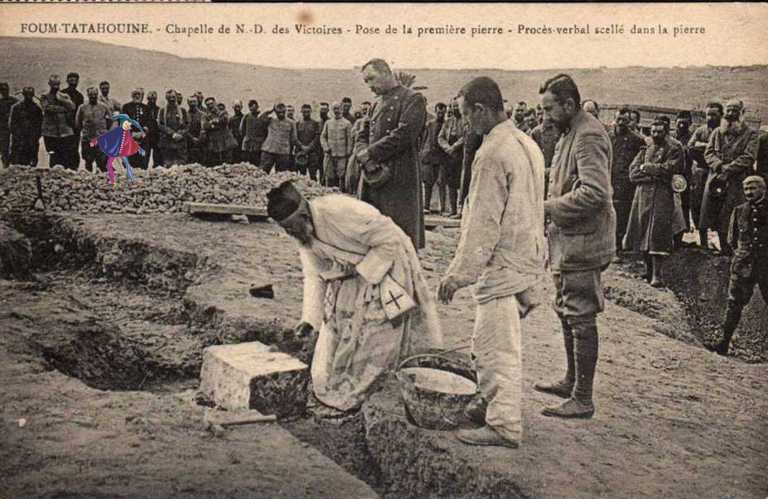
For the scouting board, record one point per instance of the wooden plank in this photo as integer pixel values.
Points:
(449, 223)
(236, 418)
(225, 209)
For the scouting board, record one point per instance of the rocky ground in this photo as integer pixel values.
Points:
(102, 348)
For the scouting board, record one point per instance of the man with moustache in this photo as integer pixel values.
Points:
(433, 159)
(308, 150)
(173, 125)
(110, 103)
(351, 255)
(6, 103)
(396, 123)
(26, 122)
(519, 115)
(137, 111)
(73, 79)
(748, 235)
(697, 144)
(254, 130)
(58, 126)
(281, 139)
(730, 155)
(92, 118)
(582, 239)
(625, 145)
(346, 110)
(451, 141)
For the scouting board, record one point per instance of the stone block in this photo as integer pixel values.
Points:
(250, 376)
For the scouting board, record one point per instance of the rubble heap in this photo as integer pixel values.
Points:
(159, 190)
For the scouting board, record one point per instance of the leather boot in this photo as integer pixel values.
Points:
(453, 199)
(564, 387)
(732, 318)
(427, 198)
(580, 404)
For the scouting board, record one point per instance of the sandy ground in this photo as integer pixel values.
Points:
(673, 420)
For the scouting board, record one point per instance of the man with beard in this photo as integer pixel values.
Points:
(360, 270)
(215, 123)
(254, 130)
(730, 156)
(748, 235)
(501, 251)
(451, 141)
(57, 124)
(280, 141)
(106, 100)
(308, 150)
(683, 135)
(6, 103)
(92, 118)
(649, 230)
(26, 122)
(582, 239)
(173, 124)
(433, 159)
(195, 133)
(697, 144)
(235, 124)
(153, 132)
(397, 121)
(625, 145)
(336, 141)
(360, 133)
(137, 111)
(77, 98)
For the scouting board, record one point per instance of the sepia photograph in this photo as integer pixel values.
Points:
(385, 250)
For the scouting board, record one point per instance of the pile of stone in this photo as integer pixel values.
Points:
(159, 190)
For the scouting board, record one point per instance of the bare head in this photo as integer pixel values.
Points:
(560, 100)
(378, 76)
(481, 104)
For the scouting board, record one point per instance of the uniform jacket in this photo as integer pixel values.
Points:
(625, 148)
(235, 123)
(546, 136)
(216, 126)
(57, 121)
(26, 120)
(5, 113)
(308, 135)
(172, 120)
(336, 137)
(281, 136)
(650, 227)
(582, 228)
(431, 152)
(397, 120)
(254, 130)
(748, 236)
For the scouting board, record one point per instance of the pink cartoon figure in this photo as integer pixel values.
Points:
(119, 143)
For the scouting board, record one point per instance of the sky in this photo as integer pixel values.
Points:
(733, 34)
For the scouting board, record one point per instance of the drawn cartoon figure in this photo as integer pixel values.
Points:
(119, 143)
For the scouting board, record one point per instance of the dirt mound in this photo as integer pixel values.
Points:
(159, 190)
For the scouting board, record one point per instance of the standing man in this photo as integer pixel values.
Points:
(92, 118)
(137, 111)
(57, 124)
(153, 132)
(433, 159)
(195, 132)
(451, 141)
(173, 125)
(519, 115)
(699, 169)
(254, 130)
(109, 102)
(281, 139)
(6, 103)
(215, 123)
(546, 136)
(748, 233)
(336, 141)
(501, 249)
(325, 109)
(472, 142)
(235, 124)
(650, 227)
(582, 239)
(26, 123)
(683, 135)
(625, 144)
(397, 121)
(346, 110)
(73, 79)
(730, 155)
(634, 121)
(308, 150)
(360, 135)
(531, 121)
(761, 164)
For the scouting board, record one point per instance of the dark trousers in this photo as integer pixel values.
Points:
(742, 284)
(154, 154)
(73, 148)
(60, 151)
(214, 158)
(24, 150)
(252, 157)
(281, 162)
(93, 156)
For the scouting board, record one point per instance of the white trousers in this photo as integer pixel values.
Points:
(496, 345)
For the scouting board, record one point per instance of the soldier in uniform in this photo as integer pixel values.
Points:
(625, 144)
(26, 127)
(235, 122)
(308, 151)
(6, 103)
(92, 118)
(451, 141)
(433, 159)
(582, 239)
(137, 111)
(730, 155)
(57, 123)
(73, 79)
(546, 136)
(748, 235)
(219, 139)
(173, 124)
(397, 120)
(195, 132)
(254, 130)
(683, 135)
(699, 169)
(153, 133)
